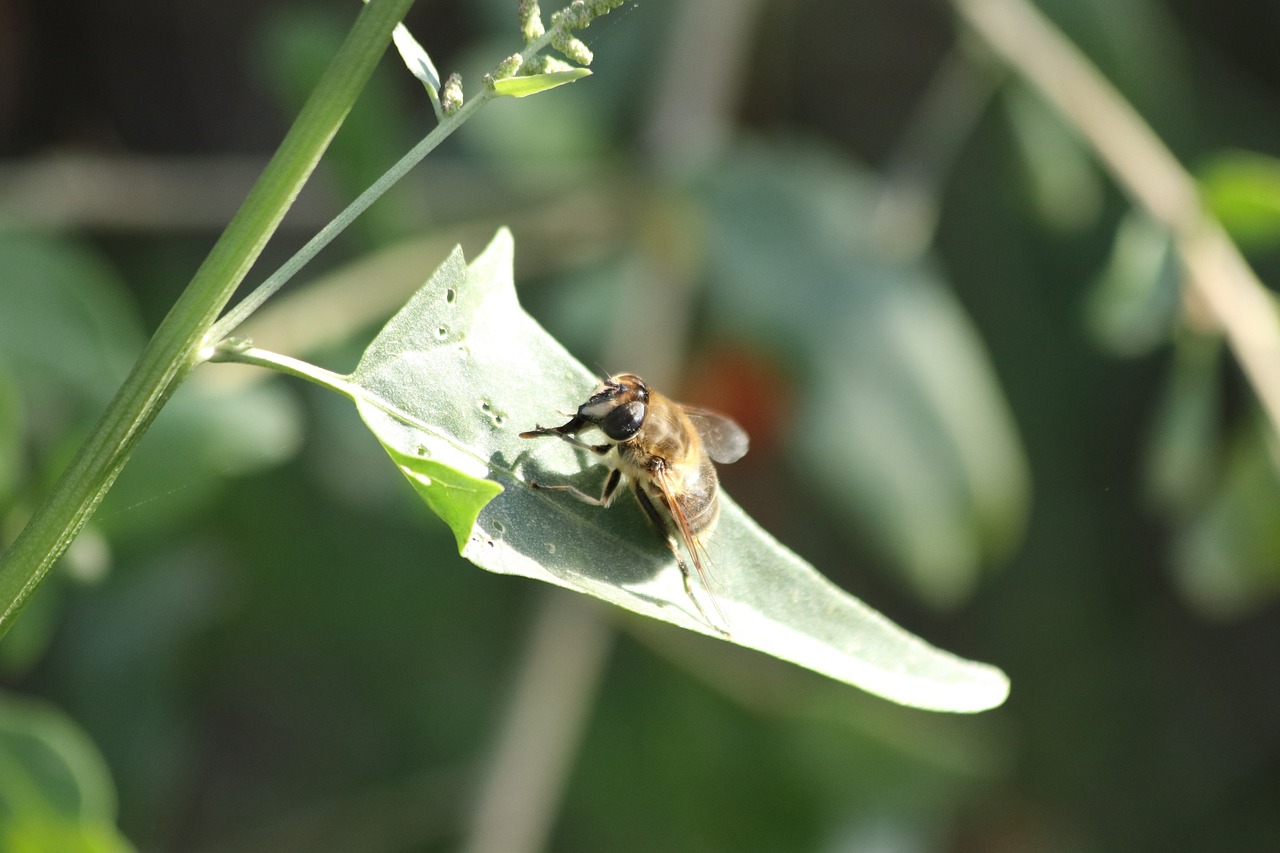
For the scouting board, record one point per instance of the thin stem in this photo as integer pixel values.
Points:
(905, 216)
(230, 352)
(327, 234)
(176, 346)
(544, 724)
(1152, 176)
(234, 351)
(239, 351)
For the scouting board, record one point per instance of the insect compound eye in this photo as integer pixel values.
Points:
(623, 421)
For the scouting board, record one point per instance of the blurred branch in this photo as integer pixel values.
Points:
(906, 214)
(163, 194)
(146, 193)
(698, 90)
(546, 717)
(1217, 273)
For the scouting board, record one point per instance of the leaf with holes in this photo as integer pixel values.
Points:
(462, 369)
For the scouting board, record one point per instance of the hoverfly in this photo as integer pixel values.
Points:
(664, 451)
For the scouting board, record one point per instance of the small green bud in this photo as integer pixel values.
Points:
(508, 67)
(546, 65)
(571, 47)
(530, 17)
(451, 94)
(575, 16)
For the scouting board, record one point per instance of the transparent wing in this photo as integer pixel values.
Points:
(697, 552)
(723, 439)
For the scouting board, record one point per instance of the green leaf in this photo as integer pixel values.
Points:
(416, 58)
(1061, 175)
(1242, 189)
(454, 496)
(532, 84)
(55, 791)
(66, 322)
(1184, 449)
(1133, 307)
(1227, 557)
(462, 369)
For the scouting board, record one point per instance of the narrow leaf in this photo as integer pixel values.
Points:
(532, 84)
(1133, 307)
(415, 58)
(462, 369)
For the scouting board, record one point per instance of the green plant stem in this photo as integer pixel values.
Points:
(448, 124)
(327, 379)
(229, 351)
(176, 346)
(326, 235)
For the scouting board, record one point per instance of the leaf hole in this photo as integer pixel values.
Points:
(451, 296)
(442, 332)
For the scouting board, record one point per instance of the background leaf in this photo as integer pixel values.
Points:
(1135, 301)
(466, 369)
(903, 425)
(1242, 188)
(1062, 180)
(55, 790)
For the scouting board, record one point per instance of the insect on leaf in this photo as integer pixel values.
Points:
(462, 369)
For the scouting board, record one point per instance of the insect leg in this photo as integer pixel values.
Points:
(568, 433)
(606, 496)
(667, 529)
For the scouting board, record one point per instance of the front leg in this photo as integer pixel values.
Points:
(569, 433)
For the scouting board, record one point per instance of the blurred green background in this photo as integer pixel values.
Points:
(977, 402)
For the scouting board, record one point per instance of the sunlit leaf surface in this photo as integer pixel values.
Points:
(462, 369)
(532, 84)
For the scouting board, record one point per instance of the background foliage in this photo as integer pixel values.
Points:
(1007, 433)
